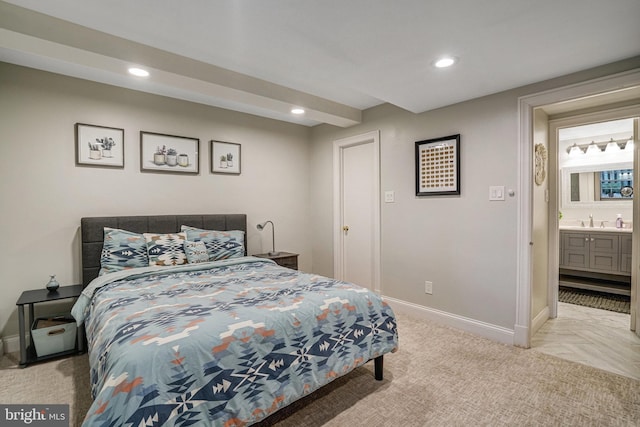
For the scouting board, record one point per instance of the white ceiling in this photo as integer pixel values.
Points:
(597, 131)
(335, 58)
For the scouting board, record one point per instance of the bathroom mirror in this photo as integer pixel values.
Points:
(598, 185)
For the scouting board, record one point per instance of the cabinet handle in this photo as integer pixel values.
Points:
(592, 239)
(345, 228)
(586, 239)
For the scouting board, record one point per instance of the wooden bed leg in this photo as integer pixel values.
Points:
(378, 363)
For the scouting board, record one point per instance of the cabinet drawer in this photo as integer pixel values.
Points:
(608, 244)
(575, 259)
(625, 245)
(594, 241)
(575, 241)
(288, 262)
(625, 254)
(283, 259)
(625, 263)
(603, 261)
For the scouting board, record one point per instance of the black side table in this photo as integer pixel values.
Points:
(284, 259)
(33, 297)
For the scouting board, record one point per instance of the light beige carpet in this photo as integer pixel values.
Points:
(439, 377)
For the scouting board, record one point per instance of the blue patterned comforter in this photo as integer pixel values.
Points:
(222, 343)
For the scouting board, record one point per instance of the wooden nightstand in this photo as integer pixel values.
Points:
(30, 298)
(284, 259)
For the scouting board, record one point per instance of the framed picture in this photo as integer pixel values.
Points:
(99, 146)
(169, 153)
(225, 157)
(438, 166)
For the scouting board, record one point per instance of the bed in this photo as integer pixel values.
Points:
(227, 339)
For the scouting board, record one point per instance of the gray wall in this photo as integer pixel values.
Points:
(44, 194)
(465, 245)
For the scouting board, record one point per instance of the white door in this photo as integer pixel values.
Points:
(357, 217)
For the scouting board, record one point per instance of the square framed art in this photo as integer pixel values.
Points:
(225, 157)
(99, 146)
(438, 166)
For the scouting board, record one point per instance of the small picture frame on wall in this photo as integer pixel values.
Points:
(99, 146)
(438, 166)
(225, 157)
(169, 153)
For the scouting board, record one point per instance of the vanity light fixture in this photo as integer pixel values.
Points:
(444, 62)
(575, 147)
(595, 147)
(602, 146)
(622, 143)
(138, 72)
(297, 111)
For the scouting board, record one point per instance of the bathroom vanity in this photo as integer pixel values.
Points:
(596, 253)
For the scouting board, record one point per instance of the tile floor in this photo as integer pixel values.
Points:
(593, 337)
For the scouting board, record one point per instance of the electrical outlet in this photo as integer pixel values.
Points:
(428, 287)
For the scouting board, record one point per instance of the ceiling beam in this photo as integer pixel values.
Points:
(47, 39)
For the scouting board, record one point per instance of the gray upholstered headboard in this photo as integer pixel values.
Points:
(92, 229)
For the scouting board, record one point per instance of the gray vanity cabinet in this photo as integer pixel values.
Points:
(625, 254)
(597, 252)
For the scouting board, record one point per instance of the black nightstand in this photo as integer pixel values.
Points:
(30, 298)
(284, 259)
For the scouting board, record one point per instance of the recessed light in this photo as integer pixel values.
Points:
(297, 111)
(445, 62)
(138, 72)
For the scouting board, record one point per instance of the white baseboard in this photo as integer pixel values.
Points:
(486, 330)
(521, 336)
(539, 320)
(11, 344)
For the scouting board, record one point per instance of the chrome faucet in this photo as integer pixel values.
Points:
(591, 221)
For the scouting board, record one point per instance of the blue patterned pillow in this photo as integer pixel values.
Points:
(121, 250)
(166, 249)
(220, 244)
(196, 252)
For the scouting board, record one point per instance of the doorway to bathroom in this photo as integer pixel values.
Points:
(595, 199)
(590, 241)
(594, 187)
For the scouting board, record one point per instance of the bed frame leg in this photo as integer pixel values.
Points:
(378, 364)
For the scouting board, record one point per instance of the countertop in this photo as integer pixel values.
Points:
(595, 229)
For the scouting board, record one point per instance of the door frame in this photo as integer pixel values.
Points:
(526, 106)
(339, 146)
(605, 114)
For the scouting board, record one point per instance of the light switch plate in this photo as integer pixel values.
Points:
(389, 196)
(496, 192)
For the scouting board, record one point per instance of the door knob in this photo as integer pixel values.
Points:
(345, 228)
